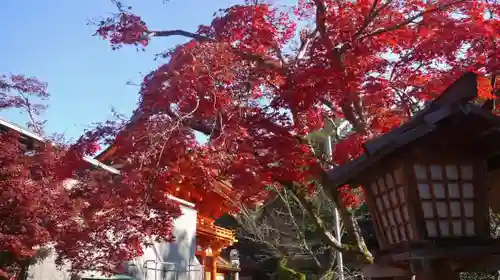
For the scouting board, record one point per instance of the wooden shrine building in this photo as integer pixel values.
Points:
(427, 184)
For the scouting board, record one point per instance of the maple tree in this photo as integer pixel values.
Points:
(264, 74)
(255, 81)
(51, 197)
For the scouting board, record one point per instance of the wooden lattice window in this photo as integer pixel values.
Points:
(447, 199)
(392, 208)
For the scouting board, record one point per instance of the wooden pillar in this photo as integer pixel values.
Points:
(213, 266)
(215, 253)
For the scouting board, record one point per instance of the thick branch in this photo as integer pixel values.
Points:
(350, 222)
(360, 248)
(348, 109)
(327, 235)
(305, 44)
(410, 19)
(320, 17)
(261, 61)
(177, 32)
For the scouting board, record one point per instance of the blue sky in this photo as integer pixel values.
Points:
(50, 39)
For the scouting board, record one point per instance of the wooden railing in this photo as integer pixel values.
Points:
(207, 225)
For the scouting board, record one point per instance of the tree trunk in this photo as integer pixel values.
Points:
(23, 274)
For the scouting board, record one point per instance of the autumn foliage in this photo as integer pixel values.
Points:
(254, 81)
(51, 197)
(264, 74)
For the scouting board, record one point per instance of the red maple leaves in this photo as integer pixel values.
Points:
(255, 85)
(257, 28)
(91, 217)
(254, 82)
(34, 203)
(52, 197)
(126, 28)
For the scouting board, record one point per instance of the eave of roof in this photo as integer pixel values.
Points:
(39, 138)
(455, 100)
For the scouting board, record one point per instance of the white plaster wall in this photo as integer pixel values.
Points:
(163, 261)
(47, 270)
(175, 260)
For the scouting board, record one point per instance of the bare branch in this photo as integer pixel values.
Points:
(299, 231)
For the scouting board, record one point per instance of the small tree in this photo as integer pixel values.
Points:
(52, 197)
